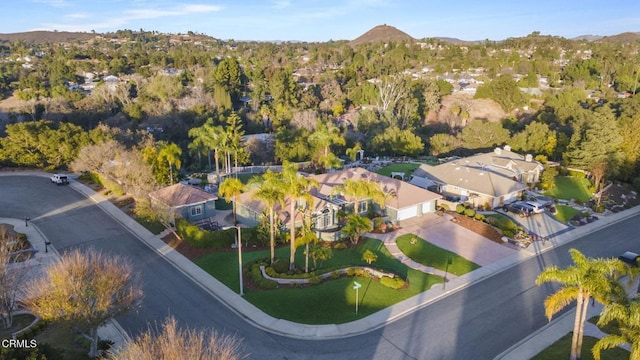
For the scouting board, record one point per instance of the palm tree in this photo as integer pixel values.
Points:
(627, 315)
(230, 189)
(585, 279)
(210, 137)
(356, 225)
(322, 138)
(170, 152)
(352, 153)
(296, 187)
(359, 190)
(270, 191)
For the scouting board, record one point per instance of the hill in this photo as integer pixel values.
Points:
(625, 37)
(381, 33)
(39, 37)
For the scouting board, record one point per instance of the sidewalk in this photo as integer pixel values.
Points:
(525, 349)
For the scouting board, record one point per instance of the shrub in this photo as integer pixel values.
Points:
(460, 208)
(508, 233)
(486, 206)
(204, 239)
(315, 279)
(480, 217)
(444, 207)
(258, 280)
(340, 246)
(280, 266)
(394, 282)
(470, 212)
(335, 274)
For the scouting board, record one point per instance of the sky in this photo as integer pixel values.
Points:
(324, 20)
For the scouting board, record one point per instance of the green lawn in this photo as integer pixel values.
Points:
(561, 349)
(428, 254)
(222, 204)
(331, 302)
(152, 225)
(570, 188)
(406, 168)
(565, 213)
(61, 336)
(20, 322)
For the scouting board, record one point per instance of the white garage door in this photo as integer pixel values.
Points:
(407, 213)
(426, 207)
(509, 198)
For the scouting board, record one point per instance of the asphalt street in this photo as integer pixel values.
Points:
(477, 322)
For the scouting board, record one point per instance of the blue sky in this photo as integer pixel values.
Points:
(323, 20)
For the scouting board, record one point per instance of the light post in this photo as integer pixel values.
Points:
(26, 219)
(239, 237)
(46, 246)
(446, 270)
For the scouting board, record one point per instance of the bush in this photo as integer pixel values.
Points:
(470, 212)
(258, 280)
(315, 279)
(204, 239)
(444, 207)
(508, 233)
(480, 217)
(394, 282)
(280, 266)
(460, 208)
(340, 246)
(486, 206)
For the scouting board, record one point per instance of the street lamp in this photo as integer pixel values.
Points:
(46, 246)
(26, 218)
(239, 238)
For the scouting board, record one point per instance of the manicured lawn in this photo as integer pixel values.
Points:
(428, 254)
(562, 348)
(331, 302)
(405, 168)
(221, 204)
(565, 213)
(570, 188)
(61, 336)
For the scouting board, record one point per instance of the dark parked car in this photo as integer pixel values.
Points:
(630, 258)
(519, 208)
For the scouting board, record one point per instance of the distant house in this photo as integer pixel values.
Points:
(406, 201)
(492, 178)
(186, 201)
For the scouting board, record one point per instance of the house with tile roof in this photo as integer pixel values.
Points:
(405, 201)
(186, 201)
(494, 178)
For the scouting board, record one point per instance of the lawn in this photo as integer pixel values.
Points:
(561, 349)
(565, 213)
(154, 226)
(333, 301)
(62, 337)
(570, 188)
(406, 168)
(222, 204)
(20, 322)
(428, 254)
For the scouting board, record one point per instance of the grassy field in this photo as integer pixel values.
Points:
(565, 213)
(428, 254)
(406, 168)
(331, 302)
(570, 188)
(561, 349)
(62, 337)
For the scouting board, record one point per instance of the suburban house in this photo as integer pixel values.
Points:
(492, 178)
(186, 201)
(405, 201)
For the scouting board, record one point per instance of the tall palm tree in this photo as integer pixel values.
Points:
(627, 315)
(210, 137)
(352, 153)
(170, 152)
(230, 189)
(296, 187)
(270, 191)
(585, 279)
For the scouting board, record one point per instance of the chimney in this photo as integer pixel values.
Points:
(528, 158)
(507, 148)
(497, 150)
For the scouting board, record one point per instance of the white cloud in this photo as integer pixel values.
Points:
(77, 16)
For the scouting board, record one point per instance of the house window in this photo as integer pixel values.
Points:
(362, 207)
(196, 210)
(325, 218)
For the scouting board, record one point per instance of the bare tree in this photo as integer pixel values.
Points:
(85, 288)
(172, 342)
(11, 275)
(391, 90)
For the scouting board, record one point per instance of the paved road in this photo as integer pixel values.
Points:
(478, 322)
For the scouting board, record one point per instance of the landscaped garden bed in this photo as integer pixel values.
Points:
(425, 253)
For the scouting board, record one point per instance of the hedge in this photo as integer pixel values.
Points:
(204, 239)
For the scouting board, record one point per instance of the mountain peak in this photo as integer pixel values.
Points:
(381, 33)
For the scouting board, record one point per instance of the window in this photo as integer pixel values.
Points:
(362, 207)
(196, 210)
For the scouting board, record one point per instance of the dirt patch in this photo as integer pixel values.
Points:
(478, 227)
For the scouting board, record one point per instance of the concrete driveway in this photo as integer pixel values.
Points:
(544, 224)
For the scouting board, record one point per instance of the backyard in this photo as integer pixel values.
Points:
(569, 188)
(333, 301)
(406, 168)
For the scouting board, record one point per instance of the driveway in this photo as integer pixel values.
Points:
(544, 224)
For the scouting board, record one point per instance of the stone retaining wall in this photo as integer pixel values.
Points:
(373, 272)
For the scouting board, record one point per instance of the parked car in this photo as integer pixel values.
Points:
(59, 179)
(630, 258)
(538, 208)
(519, 208)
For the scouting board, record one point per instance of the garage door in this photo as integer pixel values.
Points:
(509, 198)
(426, 207)
(407, 213)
